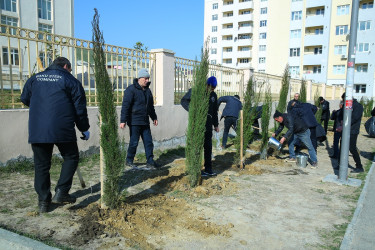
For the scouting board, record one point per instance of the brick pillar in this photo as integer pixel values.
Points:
(324, 90)
(164, 76)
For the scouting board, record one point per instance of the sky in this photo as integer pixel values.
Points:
(176, 25)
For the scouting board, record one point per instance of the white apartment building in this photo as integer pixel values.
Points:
(50, 16)
(309, 35)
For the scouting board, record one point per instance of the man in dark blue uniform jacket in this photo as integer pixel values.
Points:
(137, 107)
(230, 114)
(57, 104)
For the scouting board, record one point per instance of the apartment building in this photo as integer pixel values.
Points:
(312, 36)
(47, 16)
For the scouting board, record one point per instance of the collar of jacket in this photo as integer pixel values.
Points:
(136, 84)
(56, 67)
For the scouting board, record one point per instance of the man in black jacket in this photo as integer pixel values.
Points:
(354, 131)
(297, 129)
(337, 116)
(212, 120)
(230, 114)
(57, 104)
(324, 105)
(295, 100)
(137, 107)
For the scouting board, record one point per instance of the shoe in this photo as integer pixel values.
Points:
(61, 197)
(153, 165)
(208, 173)
(314, 165)
(357, 170)
(44, 206)
(290, 160)
(131, 164)
(333, 156)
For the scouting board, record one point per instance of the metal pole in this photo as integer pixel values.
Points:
(344, 154)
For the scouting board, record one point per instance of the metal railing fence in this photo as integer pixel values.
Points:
(230, 81)
(25, 52)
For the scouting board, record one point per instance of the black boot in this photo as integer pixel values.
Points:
(62, 197)
(44, 206)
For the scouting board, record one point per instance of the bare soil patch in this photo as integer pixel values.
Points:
(270, 204)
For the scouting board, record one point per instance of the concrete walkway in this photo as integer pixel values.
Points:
(360, 233)
(13, 241)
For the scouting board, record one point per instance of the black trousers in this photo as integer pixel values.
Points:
(208, 146)
(325, 124)
(313, 138)
(353, 150)
(229, 121)
(42, 161)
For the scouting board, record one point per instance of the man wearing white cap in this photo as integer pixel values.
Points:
(137, 107)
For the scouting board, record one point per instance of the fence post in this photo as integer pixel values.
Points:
(324, 90)
(309, 90)
(333, 92)
(165, 66)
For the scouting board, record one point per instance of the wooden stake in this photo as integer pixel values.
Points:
(241, 147)
(102, 205)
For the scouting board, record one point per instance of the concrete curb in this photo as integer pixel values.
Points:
(345, 244)
(13, 241)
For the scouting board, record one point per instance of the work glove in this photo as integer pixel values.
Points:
(86, 135)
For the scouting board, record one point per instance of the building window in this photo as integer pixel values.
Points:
(228, 3)
(263, 23)
(215, 6)
(338, 69)
(44, 9)
(246, 48)
(214, 51)
(11, 22)
(361, 68)
(244, 36)
(228, 38)
(368, 5)
(9, 5)
(343, 10)
(214, 28)
(296, 15)
(320, 11)
(45, 28)
(297, 0)
(341, 29)
(43, 58)
(295, 34)
(245, 12)
(294, 70)
(364, 25)
(340, 49)
(213, 61)
(262, 47)
(214, 17)
(244, 60)
(360, 88)
(262, 35)
(228, 26)
(319, 31)
(263, 10)
(363, 47)
(228, 61)
(318, 50)
(262, 60)
(294, 52)
(13, 56)
(244, 24)
(317, 69)
(214, 40)
(229, 49)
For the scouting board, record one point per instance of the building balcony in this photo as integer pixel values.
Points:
(227, 19)
(312, 59)
(362, 77)
(244, 42)
(243, 54)
(226, 43)
(246, 17)
(227, 31)
(311, 40)
(315, 3)
(227, 7)
(248, 29)
(247, 5)
(314, 20)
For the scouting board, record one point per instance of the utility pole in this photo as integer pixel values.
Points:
(344, 154)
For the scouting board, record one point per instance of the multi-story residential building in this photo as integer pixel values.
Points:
(312, 36)
(47, 16)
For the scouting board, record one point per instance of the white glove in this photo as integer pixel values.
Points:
(86, 135)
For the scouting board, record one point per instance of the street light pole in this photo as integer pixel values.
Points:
(344, 154)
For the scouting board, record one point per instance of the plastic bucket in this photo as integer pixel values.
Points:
(301, 161)
(275, 144)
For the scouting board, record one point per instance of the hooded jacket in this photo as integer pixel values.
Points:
(137, 105)
(57, 103)
(232, 107)
(306, 111)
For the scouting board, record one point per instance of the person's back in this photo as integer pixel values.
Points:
(232, 107)
(56, 104)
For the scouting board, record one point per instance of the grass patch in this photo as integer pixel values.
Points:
(20, 165)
